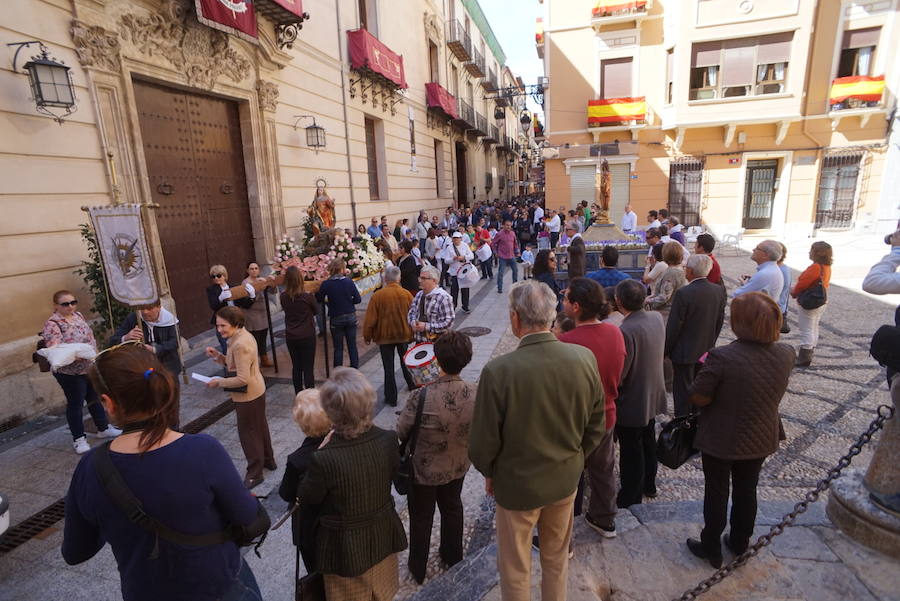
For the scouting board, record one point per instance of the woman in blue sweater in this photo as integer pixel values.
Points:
(341, 296)
(186, 482)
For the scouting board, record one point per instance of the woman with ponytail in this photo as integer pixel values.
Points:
(186, 484)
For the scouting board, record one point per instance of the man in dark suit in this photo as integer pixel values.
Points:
(695, 320)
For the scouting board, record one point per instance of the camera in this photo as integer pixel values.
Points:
(887, 238)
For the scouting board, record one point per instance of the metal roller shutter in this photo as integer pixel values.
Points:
(581, 184)
(621, 191)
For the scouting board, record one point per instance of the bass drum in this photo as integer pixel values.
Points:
(468, 276)
(484, 253)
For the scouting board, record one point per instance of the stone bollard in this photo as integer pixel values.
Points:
(849, 506)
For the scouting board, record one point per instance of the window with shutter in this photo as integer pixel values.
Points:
(740, 67)
(372, 159)
(858, 52)
(615, 78)
(582, 184)
(837, 190)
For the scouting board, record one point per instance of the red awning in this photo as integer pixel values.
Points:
(366, 52)
(440, 98)
(294, 6)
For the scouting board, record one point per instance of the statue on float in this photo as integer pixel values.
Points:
(321, 211)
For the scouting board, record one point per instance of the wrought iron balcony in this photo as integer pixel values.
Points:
(492, 135)
(490, 81)
(475, 67)
(608, 12)
(481, 124)
(856, 92)
(465, 114)
(458, 41)
(617, 111)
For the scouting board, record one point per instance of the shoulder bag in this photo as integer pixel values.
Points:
(406, 473)
(675, 444)
(310, 587)
(815, 296)
(114, 486)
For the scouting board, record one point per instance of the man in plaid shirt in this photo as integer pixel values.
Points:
(431, 313)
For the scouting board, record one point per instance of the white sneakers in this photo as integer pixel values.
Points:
(110, 432)
(81, 445)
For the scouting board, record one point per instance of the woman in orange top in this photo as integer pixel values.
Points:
(820, 255)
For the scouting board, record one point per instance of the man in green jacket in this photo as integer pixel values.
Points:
(538, 413)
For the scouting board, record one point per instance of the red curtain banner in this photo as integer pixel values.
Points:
(440, 98)
(366, 52)
(295, 6)
(236, 17)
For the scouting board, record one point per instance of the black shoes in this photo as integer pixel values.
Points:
(696, 547)
(391, 403)
(604, 531)
(250, 484)
(734, 549)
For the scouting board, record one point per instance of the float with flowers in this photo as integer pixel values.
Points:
(632, 250)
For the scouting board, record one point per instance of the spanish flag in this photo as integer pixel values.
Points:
(860, 87)
(616, 110)
(605, 8)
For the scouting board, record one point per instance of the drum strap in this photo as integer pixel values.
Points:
(422, 308)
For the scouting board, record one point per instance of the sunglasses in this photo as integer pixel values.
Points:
(70, 303)
(217, 275)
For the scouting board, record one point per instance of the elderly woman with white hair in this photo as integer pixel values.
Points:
(539, 412)
(431, 312)
(359, 533)
(768, 277)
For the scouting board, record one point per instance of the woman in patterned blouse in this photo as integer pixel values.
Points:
(68, 326)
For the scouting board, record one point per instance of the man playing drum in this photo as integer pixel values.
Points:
(431, 313)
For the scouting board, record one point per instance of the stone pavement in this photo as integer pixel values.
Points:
(827, 405)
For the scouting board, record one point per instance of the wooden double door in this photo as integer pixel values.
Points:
(192, 145)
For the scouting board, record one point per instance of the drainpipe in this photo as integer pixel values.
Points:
(341, 39)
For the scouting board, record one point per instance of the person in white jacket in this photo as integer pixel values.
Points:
(883, 277)
(456, 255)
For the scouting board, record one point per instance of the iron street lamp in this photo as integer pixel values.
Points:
(499, 113)
(51, 81)
(315, 134)
(525, 120)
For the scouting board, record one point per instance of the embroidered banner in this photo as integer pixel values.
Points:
(366, 52)
(125, 253)
(867, 89)
(608, 8)
(616, 110)
(236, 17)
(439, 98)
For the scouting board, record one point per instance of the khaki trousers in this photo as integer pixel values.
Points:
(554, 523)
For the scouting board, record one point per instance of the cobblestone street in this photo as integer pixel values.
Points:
(826, 407)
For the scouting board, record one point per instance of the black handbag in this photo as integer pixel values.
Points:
(675, 444)
(815, 296)
(310, 587)
(406, 472)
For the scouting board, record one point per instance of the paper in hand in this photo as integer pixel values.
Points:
(202, 378)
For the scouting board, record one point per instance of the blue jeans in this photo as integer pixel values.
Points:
(511, 263)
(244, 587)
(344, 327)
(78, 389)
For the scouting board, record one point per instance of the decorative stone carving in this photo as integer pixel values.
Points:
(96, 47)
(433, 29)
(203, 54)
(268, 95)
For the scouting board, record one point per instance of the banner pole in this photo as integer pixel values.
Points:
(271, 331)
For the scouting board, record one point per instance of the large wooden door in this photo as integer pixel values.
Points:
(759, 195)
(192, 145)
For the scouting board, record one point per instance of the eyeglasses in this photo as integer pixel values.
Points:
(70, 303)
(217, 275)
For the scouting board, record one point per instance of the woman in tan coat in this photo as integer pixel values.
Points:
(248, 391)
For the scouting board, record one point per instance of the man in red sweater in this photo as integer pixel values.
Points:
(585, 302)
(704, 246)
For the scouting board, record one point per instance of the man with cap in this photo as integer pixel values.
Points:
(456, 255)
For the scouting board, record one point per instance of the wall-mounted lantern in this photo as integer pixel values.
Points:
(51, 81)
(315, 134)
(499, 113)
(525, 120)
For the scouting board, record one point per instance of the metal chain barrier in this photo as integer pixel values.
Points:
(884, 413)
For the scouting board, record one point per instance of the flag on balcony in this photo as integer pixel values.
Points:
(859, 87)
(605, 8)
(616, 110)
(439, 98)
(236, 17)
(366, 52)
(539, 31)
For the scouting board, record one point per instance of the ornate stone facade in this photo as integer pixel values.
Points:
(268, 95)
(96, 47)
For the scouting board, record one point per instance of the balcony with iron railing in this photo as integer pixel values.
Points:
(475, 67)
(481, 124)
(490, 81)
(504, 142)
(465, 114)
(617, 113)
(611, 12)
(458, 41)
(492, 135)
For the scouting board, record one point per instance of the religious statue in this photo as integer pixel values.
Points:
(321, 211)
(603, 192)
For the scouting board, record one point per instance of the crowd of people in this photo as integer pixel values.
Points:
(609, 348)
